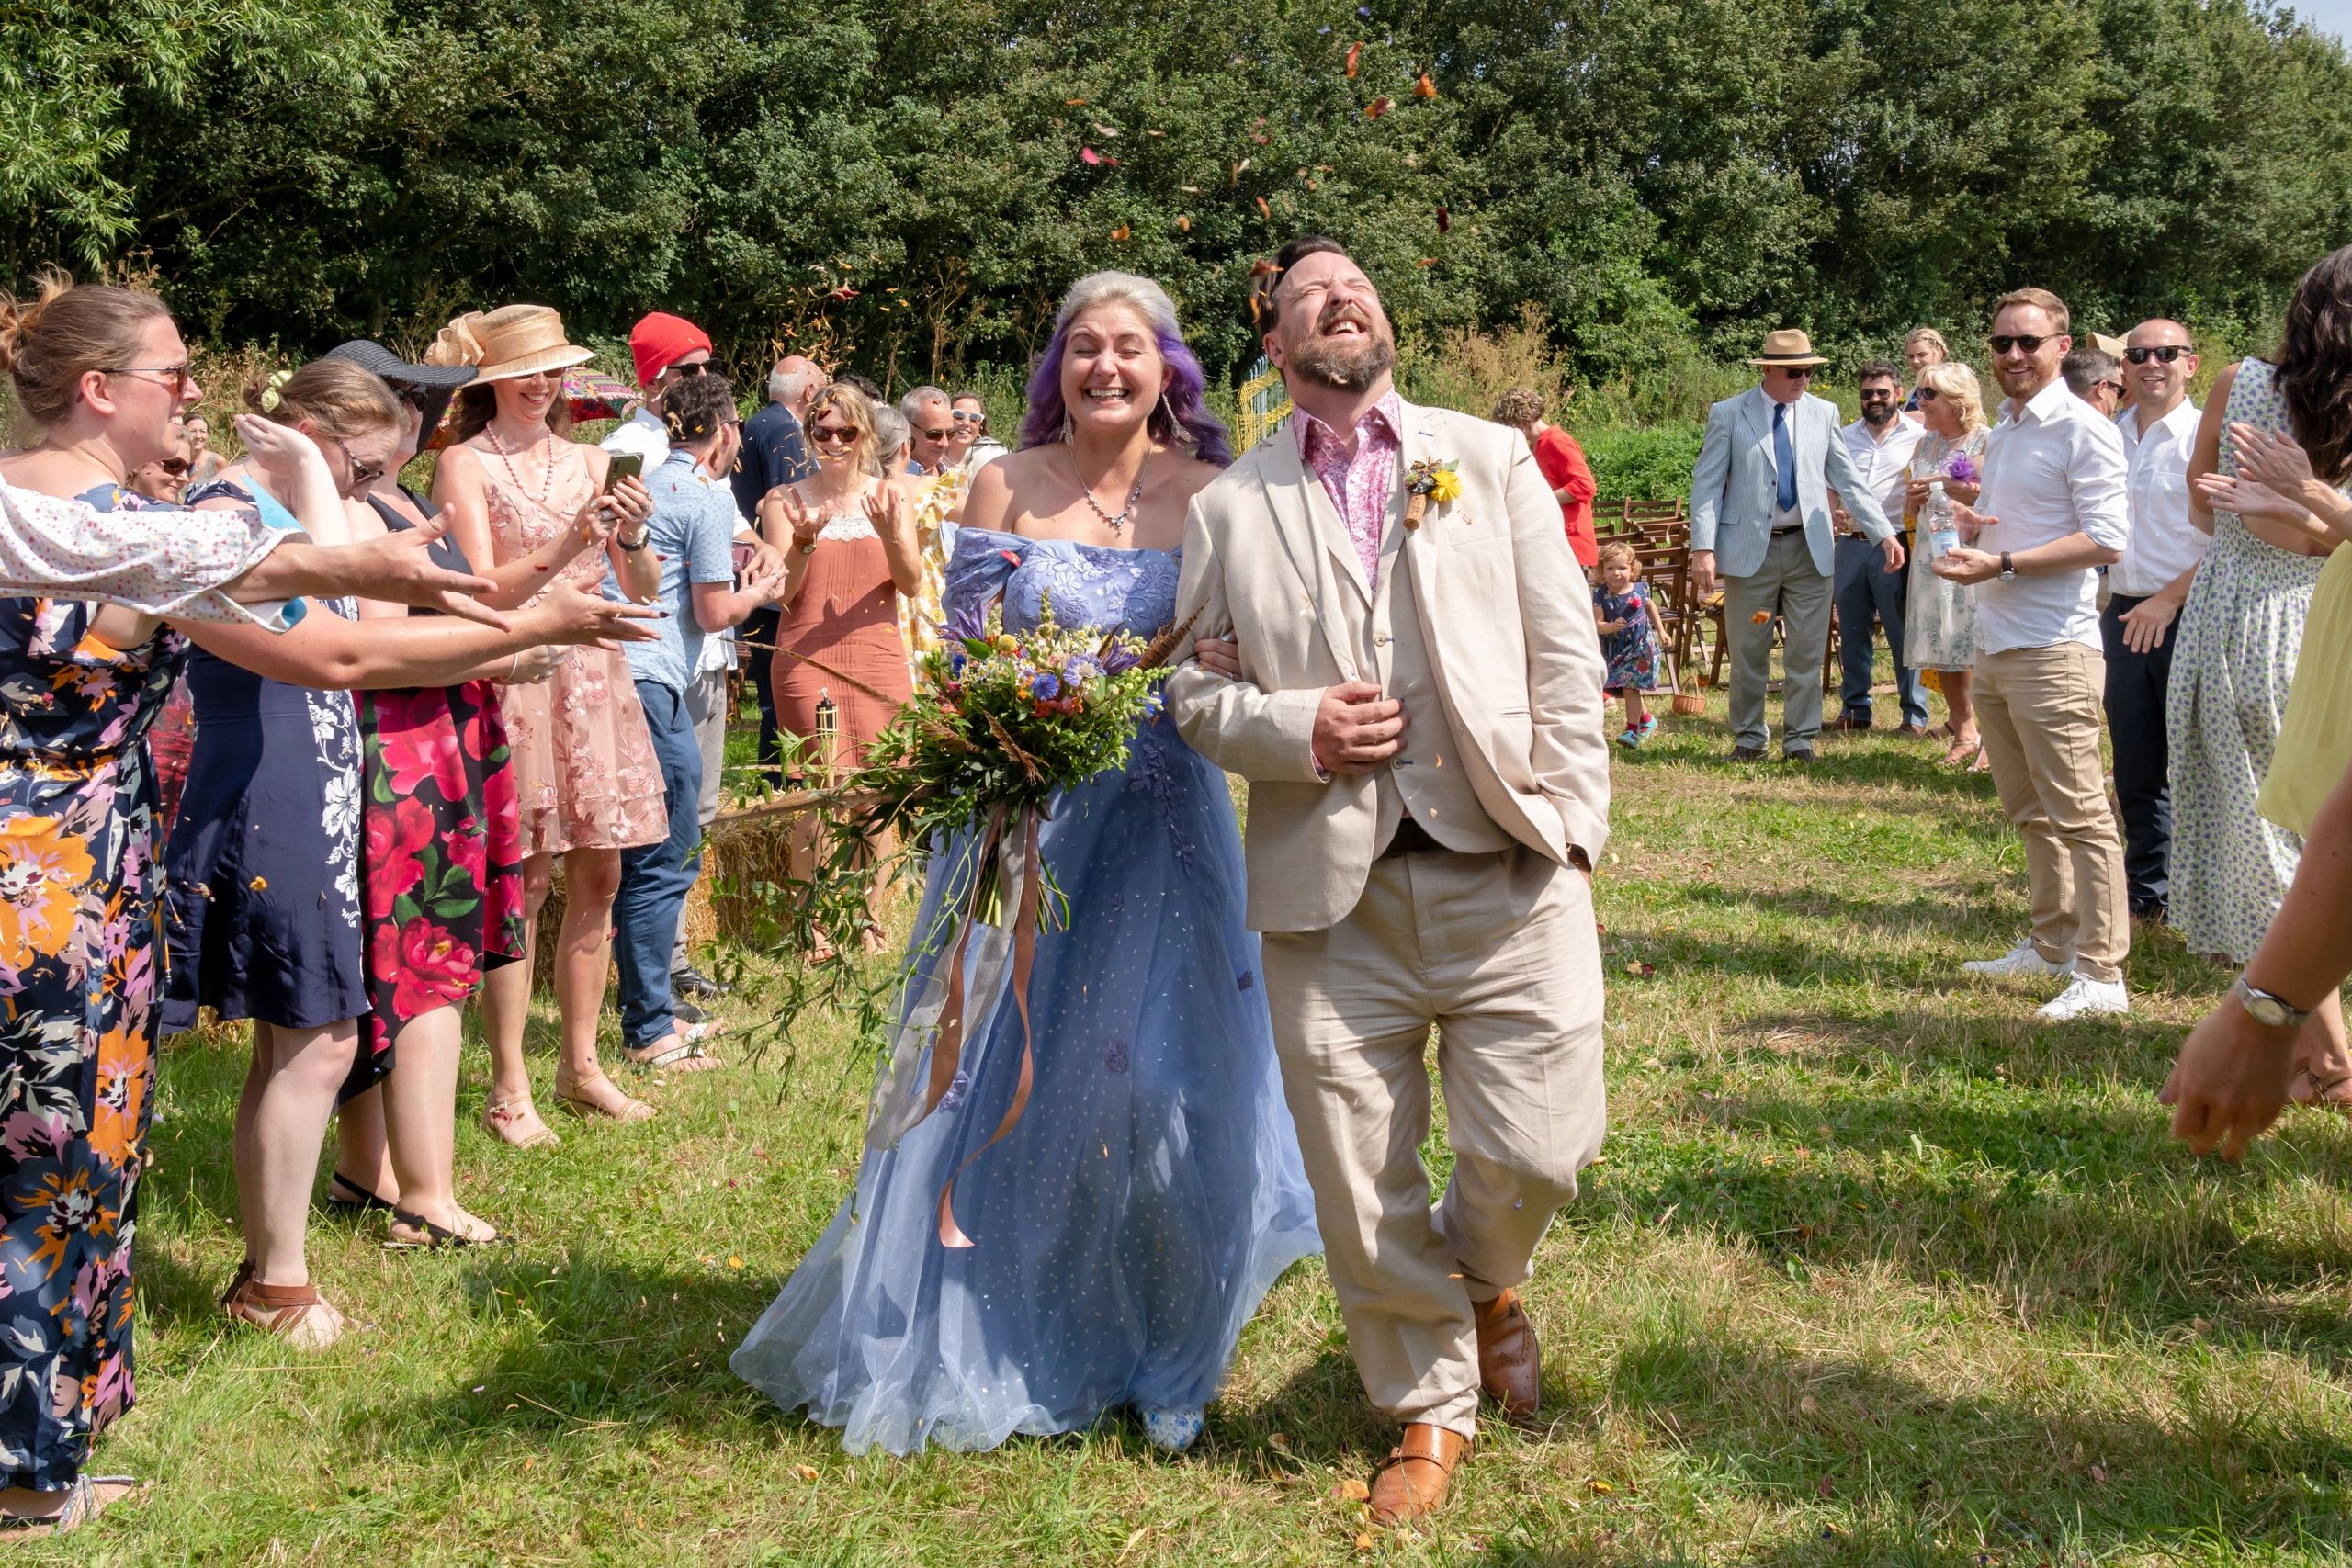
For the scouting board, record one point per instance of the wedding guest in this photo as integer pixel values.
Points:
(2120, 391)
(1563, 467)
(891, 441)
(2239, 638)
(203, 462)
(850, 552)
(2095, 377)
(692, 536)
(1939, 632)
(1769, 460)
(1922, 346)
(663, 350)
(1870, 590)
(980, 446)
(775, 452)
(930, 425)
(588, 785)
(165, 478)
(2146, 590)
(1155, 1177)
(2051, 513)
(262, 902)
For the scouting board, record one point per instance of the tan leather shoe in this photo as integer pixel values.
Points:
(1411, 1481)
(1510, 1366)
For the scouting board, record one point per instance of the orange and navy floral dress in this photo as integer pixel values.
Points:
(79, 887)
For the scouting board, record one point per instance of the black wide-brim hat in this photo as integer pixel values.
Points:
(381, 361)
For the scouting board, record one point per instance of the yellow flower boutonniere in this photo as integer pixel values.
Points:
(1428, 479)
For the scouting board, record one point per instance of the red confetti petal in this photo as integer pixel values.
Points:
(1425, 88)
(1375, 108)
(1088, 155)
(1354, 50)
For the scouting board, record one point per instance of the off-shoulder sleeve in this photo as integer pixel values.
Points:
(983, 563)
(157, 560)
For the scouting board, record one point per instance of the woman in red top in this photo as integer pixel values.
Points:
(1565, 469)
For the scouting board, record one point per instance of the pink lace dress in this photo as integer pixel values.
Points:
(585, 778)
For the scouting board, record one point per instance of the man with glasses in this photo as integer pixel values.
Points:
(2147, 588)
(664, 350)
(931, 423)
(2051, 511)
(1759, 503)
(1871, 593)
(2095, 376)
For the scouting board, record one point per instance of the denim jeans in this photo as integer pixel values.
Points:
(655, 877)
(762, 628)
(1866, 591)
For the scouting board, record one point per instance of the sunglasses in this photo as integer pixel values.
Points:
(179, 378)
(828, 435)
(935, 434)
(700, 367)
(2004, 342)
(2163, 356)
(1928, 394)
(2115, 387)
(176, 467)
(1795, 373)
(962, 416)
(362, 474)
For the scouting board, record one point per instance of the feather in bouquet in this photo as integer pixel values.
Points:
(1001, 722)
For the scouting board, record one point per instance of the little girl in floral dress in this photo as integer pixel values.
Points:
(1632, 636)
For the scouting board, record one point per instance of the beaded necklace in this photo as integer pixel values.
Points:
(547, 472)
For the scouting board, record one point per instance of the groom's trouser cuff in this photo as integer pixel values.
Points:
(1500, 952)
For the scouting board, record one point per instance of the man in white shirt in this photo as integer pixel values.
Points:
(1870, 591)
(2147, 588)
(663, 350)
(2051, 511)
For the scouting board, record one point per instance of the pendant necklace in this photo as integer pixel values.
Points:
(1117, 521)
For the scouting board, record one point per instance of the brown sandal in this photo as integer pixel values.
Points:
(631, 1110)
(502, 1115)
(279, 1310)
(2307, 1088)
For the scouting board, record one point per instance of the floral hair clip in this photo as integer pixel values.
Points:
(272, 390)
(1430, 479)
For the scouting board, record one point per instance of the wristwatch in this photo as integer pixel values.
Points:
(2008, 571)
(644, 535)
(2266, 1009)
(807, 548)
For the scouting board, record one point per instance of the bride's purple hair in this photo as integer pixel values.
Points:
(1193, 428)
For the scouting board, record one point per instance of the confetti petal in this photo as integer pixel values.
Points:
(1088, 155)
(1425, 88)
(1354, 51)
(1375, 108)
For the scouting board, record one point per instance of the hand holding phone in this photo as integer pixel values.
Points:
(623, 465)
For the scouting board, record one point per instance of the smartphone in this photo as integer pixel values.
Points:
(624, 465)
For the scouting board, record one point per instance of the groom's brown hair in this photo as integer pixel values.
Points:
(1265, 277)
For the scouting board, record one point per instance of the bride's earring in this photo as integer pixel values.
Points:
(1069, 427)
(1176, 430)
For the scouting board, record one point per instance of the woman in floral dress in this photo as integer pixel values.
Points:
(1941, 633)
(2239, 638)
(586, 780)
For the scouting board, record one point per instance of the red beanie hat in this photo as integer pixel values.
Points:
(661, 340)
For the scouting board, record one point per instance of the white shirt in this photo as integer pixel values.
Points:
(2052, 467)
(1884, 462)
(643, 434)
(2163, 542)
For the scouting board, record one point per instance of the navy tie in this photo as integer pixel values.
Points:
(1784, 460)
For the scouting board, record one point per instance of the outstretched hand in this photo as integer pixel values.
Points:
(572, 615)
(398, 568)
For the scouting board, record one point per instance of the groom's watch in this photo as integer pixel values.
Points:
(2267, 1008)
(2009, 569)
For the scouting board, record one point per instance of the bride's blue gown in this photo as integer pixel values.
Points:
(1129, 1225)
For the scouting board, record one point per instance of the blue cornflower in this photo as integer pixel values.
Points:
(1045, 686)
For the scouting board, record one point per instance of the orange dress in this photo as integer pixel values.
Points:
(847, 615)
(585, 776)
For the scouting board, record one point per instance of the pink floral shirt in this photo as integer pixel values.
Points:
(1361, 483)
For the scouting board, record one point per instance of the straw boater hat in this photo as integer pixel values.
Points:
(1789, 348)
(513, 340)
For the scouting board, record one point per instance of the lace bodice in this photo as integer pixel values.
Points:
(1092, 585)
(519, 523)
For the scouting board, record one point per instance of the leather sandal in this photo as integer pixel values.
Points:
(2307, 1088)
(571, 1099)
(501, 1116)
(437, 1236)
(360, 1200)
(85, 1498)
(280, 1309)
(1412, 1482)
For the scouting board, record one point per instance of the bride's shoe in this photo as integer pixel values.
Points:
(1173, 1431)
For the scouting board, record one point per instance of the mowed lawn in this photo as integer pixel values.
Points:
(1876, 1271)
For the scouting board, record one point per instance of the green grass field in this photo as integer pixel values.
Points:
(1874, 1271)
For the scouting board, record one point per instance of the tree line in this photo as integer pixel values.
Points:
(911, 186)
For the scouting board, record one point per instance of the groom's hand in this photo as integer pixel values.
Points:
(1356, 729)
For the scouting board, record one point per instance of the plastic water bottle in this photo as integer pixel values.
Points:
(1943, 536)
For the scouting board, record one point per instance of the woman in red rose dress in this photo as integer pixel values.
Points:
(441, 872)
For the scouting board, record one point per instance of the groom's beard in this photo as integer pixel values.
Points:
(1347, 365)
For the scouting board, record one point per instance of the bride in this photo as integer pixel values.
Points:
(1129, 1225)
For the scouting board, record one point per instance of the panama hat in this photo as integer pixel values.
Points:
(512, 340)
(1788, 348)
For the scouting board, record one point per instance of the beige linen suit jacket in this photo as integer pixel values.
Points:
(1505, 614)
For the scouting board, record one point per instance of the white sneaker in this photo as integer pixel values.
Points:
(2019, 960)
(2084, 995)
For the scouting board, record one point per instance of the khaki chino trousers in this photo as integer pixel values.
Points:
(1498, 951)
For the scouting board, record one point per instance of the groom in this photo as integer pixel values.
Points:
(1416, 701)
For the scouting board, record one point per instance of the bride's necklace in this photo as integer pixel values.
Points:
(1116, 521)
(547, 471)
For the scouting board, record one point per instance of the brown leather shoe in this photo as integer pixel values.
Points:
(1411, 1481)
(1510, 1367)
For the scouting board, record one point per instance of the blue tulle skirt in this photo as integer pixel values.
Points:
(1128, 1226)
